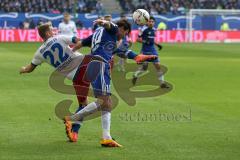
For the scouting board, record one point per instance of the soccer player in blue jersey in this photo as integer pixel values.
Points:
(103, 43)
(146, 37)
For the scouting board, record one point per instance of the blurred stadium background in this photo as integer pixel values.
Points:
(172, 16)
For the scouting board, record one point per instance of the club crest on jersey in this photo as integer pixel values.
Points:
(109, 47)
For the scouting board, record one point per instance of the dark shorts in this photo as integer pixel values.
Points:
(152, 51)
(93, 70)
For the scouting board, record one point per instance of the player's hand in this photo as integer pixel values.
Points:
(159, 47)
(27, 69)
(22, 70)
(99, 21)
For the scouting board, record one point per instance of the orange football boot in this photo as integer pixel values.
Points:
(109, 143)
(141, 58)
(68, 129)
(74, 137)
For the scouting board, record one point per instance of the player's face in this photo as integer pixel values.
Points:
(50, 33)
(122, 33)
(151, 23)
(66, 18)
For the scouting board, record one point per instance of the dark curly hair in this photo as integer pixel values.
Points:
(125, 24)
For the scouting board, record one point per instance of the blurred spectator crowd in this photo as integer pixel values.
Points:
(176, 6)
(171, 7)
(128, 6)
(50, 6)
(30, 24)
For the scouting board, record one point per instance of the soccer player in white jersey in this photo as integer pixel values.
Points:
(67, 27)
(55, 51)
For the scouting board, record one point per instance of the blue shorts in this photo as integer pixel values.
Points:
(101, 85)
(152, 51)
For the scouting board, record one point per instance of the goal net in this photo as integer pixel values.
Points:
(216, 25)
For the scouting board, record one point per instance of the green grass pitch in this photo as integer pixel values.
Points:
(206, 85)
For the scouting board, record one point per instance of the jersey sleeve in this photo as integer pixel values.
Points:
(69, 40)
(95, 26)
(87, 42)
(126, 54)
(37, 60)
(113, 29)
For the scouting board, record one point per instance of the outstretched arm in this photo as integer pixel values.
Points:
(27, 69)
(109, 26)
(83, 43)
(104, 23)
(77, 46)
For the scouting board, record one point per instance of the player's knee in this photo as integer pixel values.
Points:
(106, 103)
(109, 103)
(107, 106)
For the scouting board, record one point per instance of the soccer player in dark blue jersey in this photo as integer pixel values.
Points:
(103, 43)
(147, 38)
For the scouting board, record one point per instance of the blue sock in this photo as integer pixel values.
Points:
(75, 126)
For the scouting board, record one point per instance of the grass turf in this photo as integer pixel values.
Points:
(206, 85)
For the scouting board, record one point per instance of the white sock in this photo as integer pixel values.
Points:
(106, 124)
(89, 109)
(160, 76)
(142, 69)
(138, 73)
(81, 120)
